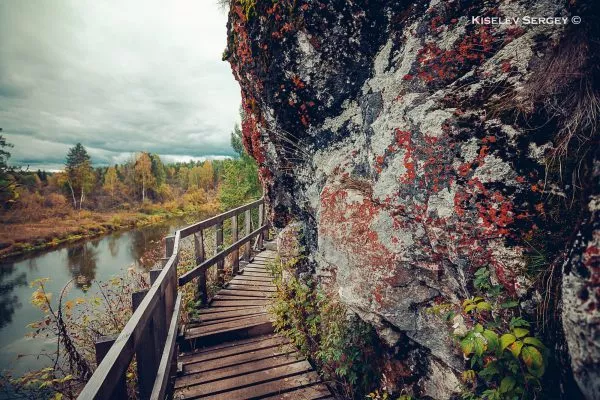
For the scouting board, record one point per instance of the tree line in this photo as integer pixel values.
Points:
(142, 180)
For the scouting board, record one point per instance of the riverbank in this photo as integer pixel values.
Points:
(17, 238)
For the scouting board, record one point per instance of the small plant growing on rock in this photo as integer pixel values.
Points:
(505, 360)
(339, 344)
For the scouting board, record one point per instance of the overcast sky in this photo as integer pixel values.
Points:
(119, 76)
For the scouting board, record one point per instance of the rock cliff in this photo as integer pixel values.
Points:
(416, 144)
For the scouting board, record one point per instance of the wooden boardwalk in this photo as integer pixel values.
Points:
(232, 352)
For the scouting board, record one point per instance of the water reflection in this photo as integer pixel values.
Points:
(82, 261)
(9, 301)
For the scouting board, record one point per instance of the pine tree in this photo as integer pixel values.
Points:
(80, 175)
(8, 183)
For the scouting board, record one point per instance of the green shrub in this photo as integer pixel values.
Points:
(340, 345)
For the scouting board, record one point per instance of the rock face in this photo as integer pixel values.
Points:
(416, 146)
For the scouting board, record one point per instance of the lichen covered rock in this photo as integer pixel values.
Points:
(417, 147)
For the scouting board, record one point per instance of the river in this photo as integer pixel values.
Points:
(97, 259)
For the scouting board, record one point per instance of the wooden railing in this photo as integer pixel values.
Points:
(151, 332)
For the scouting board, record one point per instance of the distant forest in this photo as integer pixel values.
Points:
(142, 182)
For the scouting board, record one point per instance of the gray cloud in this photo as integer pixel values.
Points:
(118, 76)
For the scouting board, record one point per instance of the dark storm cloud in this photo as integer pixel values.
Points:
(118, 76)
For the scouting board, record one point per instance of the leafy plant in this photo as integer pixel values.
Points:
(505, 360)
(339, 343)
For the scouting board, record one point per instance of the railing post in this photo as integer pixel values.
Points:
(218, 248)
(261, 218)
(247, 247)
(147, 350)
(102, 345)
(235, 264)
(169, 245)
(200, 256)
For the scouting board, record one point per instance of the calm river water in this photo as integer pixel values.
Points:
(98, 259)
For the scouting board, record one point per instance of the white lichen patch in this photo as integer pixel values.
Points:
(442, 202)
(396, 241)
(429, 117)
(350, 112)
(387, 182)
(494, 169)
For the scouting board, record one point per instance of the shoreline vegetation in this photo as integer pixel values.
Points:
(40, 210)
(24, 238)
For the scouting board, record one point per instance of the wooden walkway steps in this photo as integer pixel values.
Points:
(233, 353)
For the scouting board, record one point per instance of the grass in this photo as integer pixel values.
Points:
(28, 236)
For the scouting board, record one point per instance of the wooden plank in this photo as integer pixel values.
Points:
(219, 249)
(106, 377)
(245, 293)
(241, 280)
(233, 348)
(248, 268)
(217, 310)
(235, 265)
(207, 223)
(225, 303)
(240, 299)
(207, 324)
(318, 391)
(228, 326)
(188, 276)
(248, 227)
(257, 288)
(200, 257)
(226, 345)
(164, 368)
(293, 376)
(256, 274)
(234, 313)
(205, 367)
(236, 370)
(102, 346)
(146, 355)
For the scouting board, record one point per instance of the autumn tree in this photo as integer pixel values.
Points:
(143, 173)
(207, 175)
(111, 181)
(8, 184)
(79, 173)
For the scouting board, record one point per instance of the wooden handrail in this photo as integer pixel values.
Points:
(188, 276)
(160, 307)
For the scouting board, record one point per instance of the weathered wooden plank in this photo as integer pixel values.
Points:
(245, 293)
(317, 391)
(234, 286)
(225, 303)
(229, 344)
(102, 346)
(106, 377)
(233, 348)
(234, 386)
(213, 310)
(236, 359)
(256, 274)
(237, 369)
(234, 313)
(207, 223)
(229, 326)
(241, 298)
(188, 276)
(241, 280)
(235, 265)
(207, 324)
(219, 249)
(161, 383)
